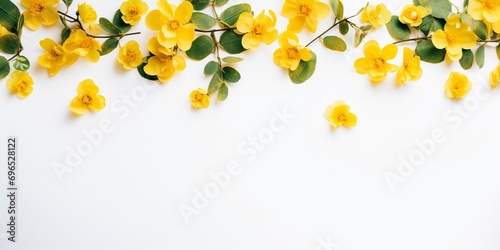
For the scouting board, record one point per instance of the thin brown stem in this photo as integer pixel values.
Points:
(413, 39)
(115, 36)
(17, 54)
(214, 30)
(335, 23)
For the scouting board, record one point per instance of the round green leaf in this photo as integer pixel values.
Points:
(223, 92)
(108, 26)
(230, 74)
(9, 43)
(211, 68)
(231, 42)
(440, 8)
(215, 83)
(343, 27)
(480, 29)
(21, 63)
(65, 34)
(109, 45)
(431, 24)
(220, 2)
(397, 29)
(202, 47)
(232, 59)
(119, 23)
(229, 16)
(141, 71)
(199, 4)
(467, 59)
(304, 71)
(338, 9)
(202, 20)
(9, 15)
(358, 37)
(4, 67)
(480, 56)
(335, 43)
(429, 53)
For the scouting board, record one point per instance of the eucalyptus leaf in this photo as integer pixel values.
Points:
(109, 45)
(398, 30)
(199, 4)
(335, 43)
(232, 59)
(9, 15)
(215, 82)
(343, 27)
(480, 29)
(202, 47)
(211, 68)
(230, 74)
(231, 42)
(9, 43)
(429, 53)
(220, 2)
(202, 20)
(223, 92)
(467, 59)
(338, 9)
(230, 16)
(304, 71)
(480, 56)
(4, 67)
(108, 26)
(119, 23)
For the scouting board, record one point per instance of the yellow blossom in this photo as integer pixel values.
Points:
(290, 52)
(132, 11)
(488, 10)
(173, 23)
(339, 114)
(3, 31)
(20, 83)
(87, 98)
(457, 85)
(256, 30)
(455, 37)
(88, 16)
(130, 56)
(410, 70)
(79, 43)
(40, 12)
(412, 15)
(304, 13)
(164, 63)
(375, 63)
(495, 77)
(377, 16)
(55, 57)
(199, 98)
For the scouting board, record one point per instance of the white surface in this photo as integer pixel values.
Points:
(308, 186)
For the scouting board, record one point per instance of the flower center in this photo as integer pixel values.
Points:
(86, 43)
(379, 63)
(37, 7)
(293, 53)
(342, 118)
(55, 53)
(86, 99)
(21, 86)
(491, 4)
(258, 29)
(132, 11)
(130, 56)
(413, 15)
(173, 25)
(304, 9)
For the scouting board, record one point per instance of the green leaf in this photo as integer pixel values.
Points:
(202, 47)
(229, 16)
(109, 45)
(202, 20)
(480, 29)
(223, 92)
(466, 18)
(397, 29)
(65, 34)
(466, 3)
(211, 68)
(231, 42)
(498, 51)
(21, 63)
(108, 26)
(338, 9)
(67, 3)
(220, 2)
(335, 43)
(358, 37)
(230, 74)
(9, 14)
(215, 83)
(9, 43)
(440, 8)
(199, 4)
(467, 59)
(119, 23)
(367, 27)
(429, 53)
(232, 59)
(141, 71)
(4, 67)
(480, 56)
(431, 24)
(343, 27)
(304, 71)
(20, 24)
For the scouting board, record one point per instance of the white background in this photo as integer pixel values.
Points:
(308, 186)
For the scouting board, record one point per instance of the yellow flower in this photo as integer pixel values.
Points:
(130, 56)
(173, 23)
(55, 57)
(488, 10)
(412, 15)
(375, 63)
(20, 83)
(457, 85)
(164, 63)
(79, 43)
(40, 12)
(199, 98)
(410, 70)
(454, 38)
(290, 52)
(304, 13)
(495, 77)
(339, 114)
(256, 30)
(87, 98)
(88, 16)
(3, 31)
(132, 11)
(377, 16)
